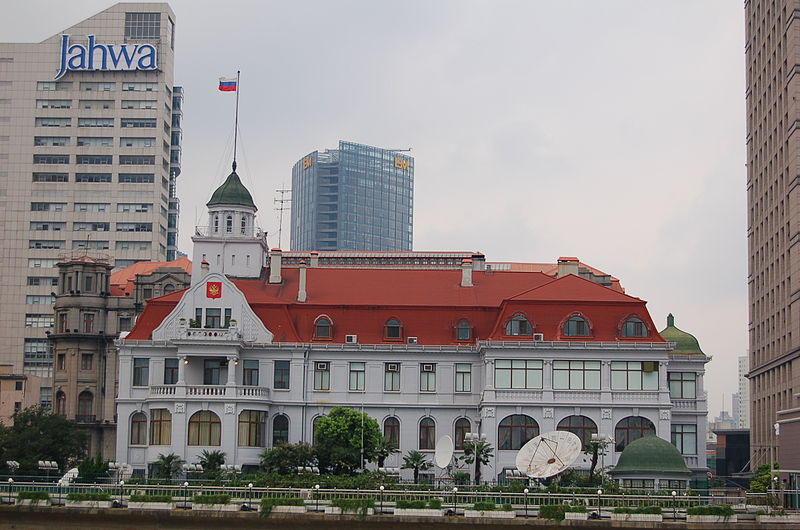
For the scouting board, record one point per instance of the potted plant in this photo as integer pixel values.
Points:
(489, 510)
(640, 513)
(149, 501)
(213, 503)
(26, 498)
(89, 500)
(282, 505)
(360, 507)
(419, 508)
(710, 514)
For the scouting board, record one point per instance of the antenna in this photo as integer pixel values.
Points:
(548, 454)
(444, 452)
(282, 205)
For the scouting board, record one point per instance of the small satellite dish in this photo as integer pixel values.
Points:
(548, 454)
(444, 451)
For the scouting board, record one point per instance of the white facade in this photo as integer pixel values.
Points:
(742, 409)
(84, 160)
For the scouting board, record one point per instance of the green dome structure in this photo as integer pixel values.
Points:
(685, 343)
(232, 193)
(651, 456)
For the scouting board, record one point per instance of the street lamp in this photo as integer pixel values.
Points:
(121, 486)
(525, 491)
(455, 492)
(381, 488)
(599, 509)
(249, 496)
(10, 485)
(674, 505)
(185, 495)
(316, 494)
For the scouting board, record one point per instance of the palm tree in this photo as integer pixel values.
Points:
(384, 450)
(212, 460)
(167, 466)
(416, 461)
(479, 450)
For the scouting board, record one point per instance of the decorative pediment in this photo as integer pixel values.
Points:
(214, 291)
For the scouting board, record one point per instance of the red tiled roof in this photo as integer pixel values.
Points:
(429, 303)
(121, 281)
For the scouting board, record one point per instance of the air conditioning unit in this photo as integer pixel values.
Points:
(392, 367)
(538, 337)
(412, 340)
(321, 367)
(351, 339)
(428, 367)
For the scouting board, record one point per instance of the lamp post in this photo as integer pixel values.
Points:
(185, 495)
(121, 486)
(525, 491)
(10, 485)
(249, 496)
(674, 505)
(316, 494)
(381, 488)
(599, 509)
(775, 491)
(455, 492)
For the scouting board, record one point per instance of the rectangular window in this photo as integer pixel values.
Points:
(43, 280)
(88, 322)
(47, 226)
(135, 178)
(281, 375)
(53, 122)
(137, 142)
(90, 244)
(60, 362)
(91, 227)
(51, 141)
(634, 375)
(357, 376)
(50, 177)
(95, 122)
(212, 369)
(93, 177)
(37, 299)
(250, 373)
(134, 207)
(134, 227)
(322, 376)
(95, 141)
(427, 377)
(684, 437)
(98, 86)
(51, 159)
(96, 104)
(93, 207)
(48, 206)
(576, 375)
(682, 385)
(391, 377)
(144, 26)
(38, 320)
(139, 104)
(137, 160)
(463, 377)
(46, 244)
(53, 85)
(125, 323)
(170, 371)
(517, 373)
(141, 372)
(102, 160)
(53, 103)
(138, 86)
(86, 361)
(213, 317)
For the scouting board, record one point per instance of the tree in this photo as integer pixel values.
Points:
(167, 466)
(346, 438)
(384, 450)
(595, 448)
(285, 458)
(762, 478)
(91, 468)
(477, 452)
(36, 434)
(416, 461)
(212, 460)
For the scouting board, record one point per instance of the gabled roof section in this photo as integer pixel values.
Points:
(573, 288)
(121, 281)
(232, 192)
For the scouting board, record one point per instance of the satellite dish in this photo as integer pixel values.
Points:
(548, 454)
(444, 451)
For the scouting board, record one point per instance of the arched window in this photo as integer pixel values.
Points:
(393, 329)
(168, 288)
(229, 224)
(61, 403)
(323, 328)
(138, 429)
(634, 327)
(216, 223)
(280, 429)
(576, 327)
(463, 330)
(252, 425)
(427, 434)
(518, 326)
(461, 430)
(85, 407)
(515, 430)
(315, 429)
(244, 225)
(632, 428)
(580, 426)
(391, 431)
(204, 428)
(160, 427)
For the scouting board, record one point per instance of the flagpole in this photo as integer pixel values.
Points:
(236, 123)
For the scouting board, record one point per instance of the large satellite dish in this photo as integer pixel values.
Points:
(548, 454)
(444, 452)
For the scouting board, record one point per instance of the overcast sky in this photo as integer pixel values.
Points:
(612, 131)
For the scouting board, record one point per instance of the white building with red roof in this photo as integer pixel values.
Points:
(427, 343)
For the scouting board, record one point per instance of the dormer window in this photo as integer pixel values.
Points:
(229, 224)
(519, 326)
(576, 327)
(323, 328)
(216, 223)
(463, 330)
(393, 330)
(634, 328)
(244, 225)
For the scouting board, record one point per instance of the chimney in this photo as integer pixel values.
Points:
(203, 269)
(567, 265)
(478, 262)
(466, 272)
(301, 290)
(275, 265)
(314, 258)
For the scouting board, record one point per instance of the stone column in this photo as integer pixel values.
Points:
(232, 370)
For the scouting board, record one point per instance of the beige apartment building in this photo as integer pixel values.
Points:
(89, 156)
(773, 146)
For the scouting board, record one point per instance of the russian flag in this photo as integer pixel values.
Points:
(227, 84)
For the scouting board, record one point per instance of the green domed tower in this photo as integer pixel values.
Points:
(232, 193)
(685, 343)
(651, 462)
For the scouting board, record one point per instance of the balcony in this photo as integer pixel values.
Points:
(684, 404)
(220, 334)
(209, 392)
(635, 396)
(571, 396)
(85, 418)
(526, 396)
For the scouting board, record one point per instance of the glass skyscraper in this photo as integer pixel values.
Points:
(356, 197)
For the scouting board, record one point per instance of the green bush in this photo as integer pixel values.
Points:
(722, 510)
(461, 477)
(77, 497)
(578, 508)
(507, 507)
(435, 504)
(357, 506)
(267, 504)
(148, 497)
(420, 504)
(623, 509)
(33, 495)
(484, 506)
(211, 499)
(552, 511)
(651, 510)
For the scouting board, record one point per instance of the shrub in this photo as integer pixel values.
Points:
(623, 509)
(650, 510)
(461, 477)
(78, 497)
(577, 508)
(435, 504)
(721, 511)
(420, 504)
(552, 511)
(268, 503)
(507, 507)
(358, 506)
(147, 497)
(484, 506)
(33, 495)
(211, 499)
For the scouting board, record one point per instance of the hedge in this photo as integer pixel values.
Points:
(137, 497)
(33, 495)
(552, 511)
(651, 510)
(420, 504)
(721, 511)
(78, 497)
(358, 506)
(211, 499)
(267, 504)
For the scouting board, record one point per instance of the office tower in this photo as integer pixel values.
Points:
(88, 161)
(771, 47)
(742, 404)
(355, 197)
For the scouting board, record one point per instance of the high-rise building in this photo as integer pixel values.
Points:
(355, 197)
(89, 153)
(742, 397)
